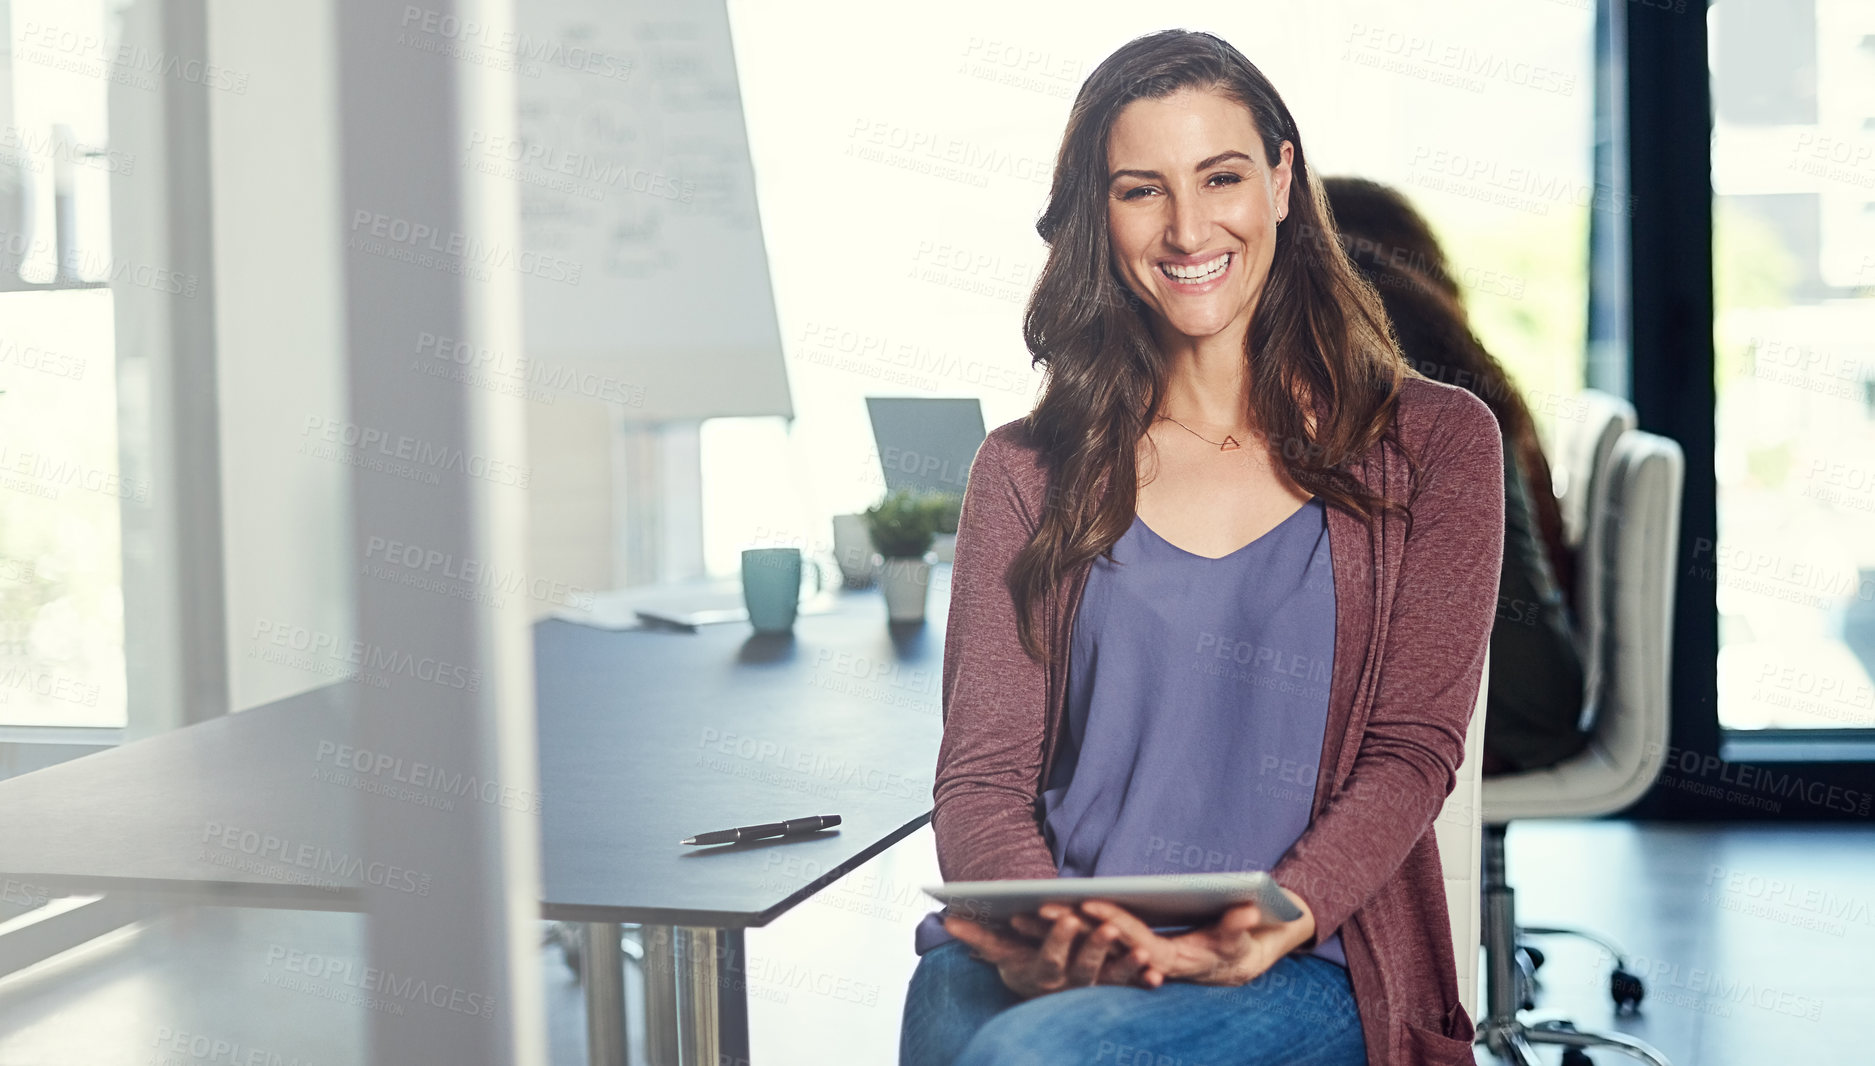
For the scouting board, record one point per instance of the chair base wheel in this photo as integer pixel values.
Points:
(1575, 1056)
(1626, 990)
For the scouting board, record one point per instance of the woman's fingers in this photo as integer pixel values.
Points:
(986, 943)
(1132, 931)
(1092, 956)
(1060, 939)
(1028, 926)
(1128, 967)
(1163, 956)
(1241, 918)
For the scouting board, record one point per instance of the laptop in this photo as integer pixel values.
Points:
(926, 443)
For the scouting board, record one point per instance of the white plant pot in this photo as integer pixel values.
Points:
(853, 550)
(944, 547)
(905, 582)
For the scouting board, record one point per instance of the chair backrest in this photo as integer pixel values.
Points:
(1587, 454)
(1639, 539)
(1583, 445)
(1632, 540)
(1459, 830)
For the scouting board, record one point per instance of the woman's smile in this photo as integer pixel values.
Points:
(1195, 275)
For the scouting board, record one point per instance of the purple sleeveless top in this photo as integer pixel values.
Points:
(1197, 699)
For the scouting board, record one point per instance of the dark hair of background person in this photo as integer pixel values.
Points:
(1319, 339)
(1394, 248)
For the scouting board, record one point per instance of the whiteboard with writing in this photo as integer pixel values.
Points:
(638, 206)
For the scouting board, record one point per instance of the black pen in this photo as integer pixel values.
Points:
(791, 827)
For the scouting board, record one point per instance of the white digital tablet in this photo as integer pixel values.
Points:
(1157, 899)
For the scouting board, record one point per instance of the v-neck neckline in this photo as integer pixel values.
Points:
(1253, 542)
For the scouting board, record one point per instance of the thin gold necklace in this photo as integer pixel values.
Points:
(1229, 442)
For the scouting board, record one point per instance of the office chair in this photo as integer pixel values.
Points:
(1625, 581)
(1585, 447)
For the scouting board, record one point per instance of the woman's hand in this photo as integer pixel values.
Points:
(1234, 950)
(1057, 956)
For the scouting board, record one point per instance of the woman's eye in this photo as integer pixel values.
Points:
(1139, 191)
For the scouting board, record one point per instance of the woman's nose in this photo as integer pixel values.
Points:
(1189, 224)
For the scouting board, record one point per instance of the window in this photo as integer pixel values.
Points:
(61, 492)
(1793, 178)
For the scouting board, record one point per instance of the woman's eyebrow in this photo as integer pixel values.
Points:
(1203, 164)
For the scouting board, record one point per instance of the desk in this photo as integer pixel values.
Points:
(645, 737)
(697, 731)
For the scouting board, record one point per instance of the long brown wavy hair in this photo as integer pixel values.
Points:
(1323, 368)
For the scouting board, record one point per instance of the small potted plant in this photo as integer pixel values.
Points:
(903, 526)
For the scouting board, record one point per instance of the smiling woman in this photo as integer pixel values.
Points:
(1179, 152)
(1195, 301)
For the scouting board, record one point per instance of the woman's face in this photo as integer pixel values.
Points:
(1193, 208)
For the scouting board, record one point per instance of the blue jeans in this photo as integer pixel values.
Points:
(958, 1012)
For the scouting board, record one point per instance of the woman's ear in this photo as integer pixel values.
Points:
(1280, 176)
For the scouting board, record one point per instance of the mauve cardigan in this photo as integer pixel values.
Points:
(1412, 623)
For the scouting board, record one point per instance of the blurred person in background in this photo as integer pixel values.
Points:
(1536, 685)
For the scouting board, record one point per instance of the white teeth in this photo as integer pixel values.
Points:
(1199, 273)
